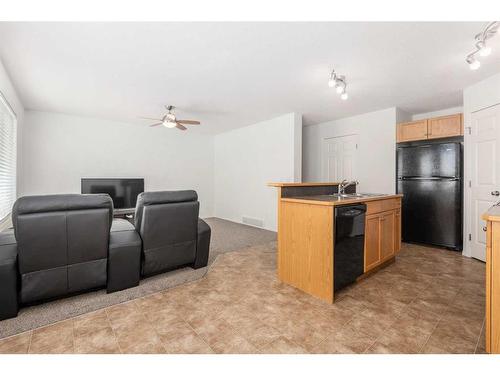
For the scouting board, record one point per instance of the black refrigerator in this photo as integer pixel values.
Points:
(430, 178)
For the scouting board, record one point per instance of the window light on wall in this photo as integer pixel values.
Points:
(8, 151)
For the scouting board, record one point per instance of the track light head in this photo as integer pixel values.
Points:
(485, 51)
(338, 81)
(473, 63)
(481, 48)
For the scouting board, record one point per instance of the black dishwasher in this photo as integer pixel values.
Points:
(348, 258)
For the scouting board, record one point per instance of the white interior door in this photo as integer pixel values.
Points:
(484, 145)
(339, 158)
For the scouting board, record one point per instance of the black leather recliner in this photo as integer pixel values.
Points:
(62, 244)
(172, 234)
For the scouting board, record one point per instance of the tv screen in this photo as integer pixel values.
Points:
(123, 191)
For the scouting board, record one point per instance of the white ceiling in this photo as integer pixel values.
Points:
(234, 74)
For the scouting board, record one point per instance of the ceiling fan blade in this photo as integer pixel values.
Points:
(179, 126)
(189, 122)
(156, 124)
(150, 118)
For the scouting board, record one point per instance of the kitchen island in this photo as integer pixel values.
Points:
(306, 233)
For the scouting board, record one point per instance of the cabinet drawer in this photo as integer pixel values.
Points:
(382, 205)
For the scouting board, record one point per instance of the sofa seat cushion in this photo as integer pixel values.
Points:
(168, 257)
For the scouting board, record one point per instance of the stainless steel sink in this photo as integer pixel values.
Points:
(357, 195)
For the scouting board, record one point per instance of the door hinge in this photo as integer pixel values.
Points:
(470, 183)
(356, 146)
(470, 237)
(469, 129)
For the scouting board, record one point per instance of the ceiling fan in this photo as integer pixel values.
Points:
(170, 121)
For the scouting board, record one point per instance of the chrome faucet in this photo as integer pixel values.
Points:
(344, 184)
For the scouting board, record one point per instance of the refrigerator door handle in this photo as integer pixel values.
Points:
(429, 178)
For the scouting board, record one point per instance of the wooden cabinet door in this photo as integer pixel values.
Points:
(487, 322)
(387, 235)
(446, 126)
(397, 231)
(494, 290)
(372, 241)
(411, 131)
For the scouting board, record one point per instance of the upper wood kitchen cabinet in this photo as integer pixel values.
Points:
(437, 127)
(411, 131)
(445, 126)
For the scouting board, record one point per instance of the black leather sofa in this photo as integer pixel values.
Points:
(67, 244)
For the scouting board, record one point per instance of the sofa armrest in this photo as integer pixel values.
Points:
(8, 275)
(202, 244)
(124, 257)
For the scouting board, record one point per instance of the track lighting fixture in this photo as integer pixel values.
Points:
(481, 47)
(339, 83)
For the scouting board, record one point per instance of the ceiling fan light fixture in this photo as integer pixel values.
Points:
(169, 124)
(169, 120)
(344, 96)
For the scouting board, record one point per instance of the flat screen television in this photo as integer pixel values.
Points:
(123, 191)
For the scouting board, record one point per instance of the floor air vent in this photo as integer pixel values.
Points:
(252, 221)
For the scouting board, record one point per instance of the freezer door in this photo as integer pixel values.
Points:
(432, 160)
(432, 212)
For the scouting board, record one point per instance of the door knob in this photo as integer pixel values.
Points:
(495, 193)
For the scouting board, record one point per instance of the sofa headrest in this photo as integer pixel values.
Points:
(162, 197)
(152, 198)
(60, 202)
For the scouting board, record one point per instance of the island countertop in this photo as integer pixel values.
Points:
(299, 184)
(336, 200)
(493, 214)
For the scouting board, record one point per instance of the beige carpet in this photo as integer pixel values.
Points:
(226, 236)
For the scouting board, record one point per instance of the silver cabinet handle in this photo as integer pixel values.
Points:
(496, 193)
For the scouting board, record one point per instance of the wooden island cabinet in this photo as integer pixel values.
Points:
(382, 232)
(492, 321)
(306, 234)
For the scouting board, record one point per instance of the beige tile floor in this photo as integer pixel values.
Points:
(429, 301)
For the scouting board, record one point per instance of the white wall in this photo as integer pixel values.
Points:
(376, 161)
(58, 150)
(246, 159)
(476, 97)
(442, 112)
(9, 93)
